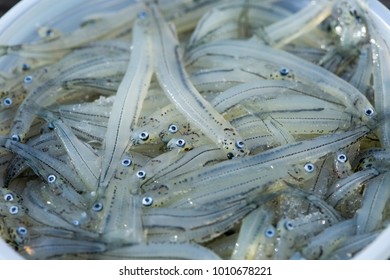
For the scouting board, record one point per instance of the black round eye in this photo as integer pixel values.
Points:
(240, 144)
(15, 138)
(342, 158)
(147, 201)
(14, 210)
(269, 232)
(180, 143)
(369, 112)
(97, 207)
(144, 136)
(288, 225)
(173, 128)
(28, 80)
(142, 15)
(141, 174)
(7, 101)
(51, 178)
(50, 125)
(230, 155)
(284, 71)
(25, 67)
(126, 162)
(49, 32)
(9, 197)
(309, 167)
(22, 231)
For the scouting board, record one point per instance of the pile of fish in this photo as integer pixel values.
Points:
(199, 130)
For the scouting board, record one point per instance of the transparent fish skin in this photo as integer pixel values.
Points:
(306, 19)
(351, 185)
(174, 251)
(253, 232)
(184, 95)
(104, 27)
(380, 48)
(50, 91)
(241, 17)
(85, 160)
(296, 153)
(347, 94)
(129, 99)
(47, 247)
(329, 239)
(375, 197)
(155, 180)
(46, 166)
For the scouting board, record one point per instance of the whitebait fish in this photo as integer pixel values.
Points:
(199, 129)
(301, 22)
(85, 160)
(308, 73)
(254, 228)
(84, 35)
(46, 247)
(243, 174)
(129, 99)
(193, 224)
(329, 239)
(184, 95)
(370, 216)
(165, 251)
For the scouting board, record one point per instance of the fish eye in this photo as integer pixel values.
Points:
(142, 15)
(22, 231)
(269, 232)
(13, 210)
(28, 79)
(147, 201)
(141, 174)
(51, 178)
(342, 158)
(180, 143)
(369, 112)
(144, 136)
(15, 138)
(76, 223)
(50, 125)
(49, 32)
(7, 101)
(288, 225)
(9, 197)
(126, 162)
(240, 144)
(25, 66)
(309, 167)
(173, 128)
(97, 207)
(284, 71)
(230, 155)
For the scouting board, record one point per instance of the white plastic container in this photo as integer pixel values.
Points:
(20, 25)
